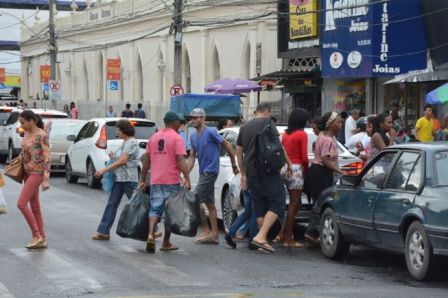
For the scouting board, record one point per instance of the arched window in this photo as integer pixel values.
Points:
(186, 72)
(216, 65)
(138, 79)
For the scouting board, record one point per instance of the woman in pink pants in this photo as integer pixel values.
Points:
(36, 162)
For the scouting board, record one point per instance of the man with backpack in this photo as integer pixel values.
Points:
(261, 156)
(139, 113)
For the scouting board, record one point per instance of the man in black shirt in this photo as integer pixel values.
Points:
(267, 190)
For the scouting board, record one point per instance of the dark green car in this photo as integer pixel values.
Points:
(399, 203)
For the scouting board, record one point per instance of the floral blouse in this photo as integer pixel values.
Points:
(36, 155)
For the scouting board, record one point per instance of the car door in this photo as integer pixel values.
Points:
(397, 198)
(8, 130)
(357, 205)
(78, 147)
(88, 144)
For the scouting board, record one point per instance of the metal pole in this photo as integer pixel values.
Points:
(178, 26)
(53, 48)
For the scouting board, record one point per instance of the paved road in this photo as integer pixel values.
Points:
(75, 266)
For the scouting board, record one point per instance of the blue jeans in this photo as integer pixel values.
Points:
(158, 196)
(243, 217)
(119, 189)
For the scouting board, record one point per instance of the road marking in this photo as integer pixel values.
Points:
(4, 292)
(69, 278)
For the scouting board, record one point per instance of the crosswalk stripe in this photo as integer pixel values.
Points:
(4, 292)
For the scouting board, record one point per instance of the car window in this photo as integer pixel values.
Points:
(143, 130)
(4, 116)
(92, 129)
(441, 165)
(374, 177)
(60, 130)
(13, 118)
(406, 173)
(231, 137)
(83, 132)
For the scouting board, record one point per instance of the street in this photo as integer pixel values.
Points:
(76, 266)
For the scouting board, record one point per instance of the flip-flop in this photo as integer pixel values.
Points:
(172, 247)
(277, 240)
(265, 246)
(294, 244)
(157, 235)
(151, 246)
(312, 240)
(208, 241)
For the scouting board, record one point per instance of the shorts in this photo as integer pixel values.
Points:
(205, 190)
(158, 195)
(268, 194)
(295, 181)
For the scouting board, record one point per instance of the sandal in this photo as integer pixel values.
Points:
(277, 239)
(313, 241)
(169, 248)
(151, 246)
(263, 245)
(293, 244)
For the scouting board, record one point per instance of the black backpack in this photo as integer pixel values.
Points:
(270, 154)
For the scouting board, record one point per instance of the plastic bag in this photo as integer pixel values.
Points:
(133, 222)
(182, 213)
(3, 209)
(108, 180)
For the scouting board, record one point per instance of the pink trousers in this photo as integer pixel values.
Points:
(30, 194)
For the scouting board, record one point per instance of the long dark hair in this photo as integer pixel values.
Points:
(297, 120)
(29, 115)
(379, 119)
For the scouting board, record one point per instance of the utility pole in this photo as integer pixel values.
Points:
(53, 48)
(178, 27)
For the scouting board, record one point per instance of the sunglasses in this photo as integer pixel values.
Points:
(161, 145)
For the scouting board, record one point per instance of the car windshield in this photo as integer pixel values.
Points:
(441, 164)
(143, 130)
(53, 116)
(60, 130)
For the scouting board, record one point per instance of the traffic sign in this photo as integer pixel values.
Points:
(44, 86)
(177, 90)
(113, 85)
(54, 90)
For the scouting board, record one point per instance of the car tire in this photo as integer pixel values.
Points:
(69, 173)
(228, 213)
(92, 182)
(332, 243)
(418, 252)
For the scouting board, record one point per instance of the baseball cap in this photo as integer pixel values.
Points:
(197, 112)
(171, 117)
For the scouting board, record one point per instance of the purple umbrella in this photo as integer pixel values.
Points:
(232, 86)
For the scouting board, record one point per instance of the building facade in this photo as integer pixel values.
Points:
(236, 40)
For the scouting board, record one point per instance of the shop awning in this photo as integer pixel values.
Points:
(420, 76)
(287, 74)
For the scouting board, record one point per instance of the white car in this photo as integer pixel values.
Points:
(228, 197)
(11, 133)
(96, 139)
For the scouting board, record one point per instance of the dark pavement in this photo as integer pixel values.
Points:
(75, 266)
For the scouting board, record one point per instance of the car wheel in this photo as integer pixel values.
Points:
(228, 214)
(418, 252)
(332, 243)
(69, 173)
(92, 182)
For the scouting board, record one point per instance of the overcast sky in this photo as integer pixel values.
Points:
(10, 30)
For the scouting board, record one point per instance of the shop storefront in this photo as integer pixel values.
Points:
(364, 44)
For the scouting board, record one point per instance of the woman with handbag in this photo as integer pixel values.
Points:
(36, 160)
(125, 167)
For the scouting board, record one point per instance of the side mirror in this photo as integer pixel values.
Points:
(349, 180)
(142, 145)
(71, 138)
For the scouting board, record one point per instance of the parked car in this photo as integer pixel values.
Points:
(11, 133)
(97, 138)
(59, 145)
(227, 187)
(398, 203)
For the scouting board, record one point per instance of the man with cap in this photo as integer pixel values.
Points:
(165, 155)
(205, 144)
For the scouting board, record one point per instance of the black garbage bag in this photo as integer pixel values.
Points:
(182, 213)
(133, 222)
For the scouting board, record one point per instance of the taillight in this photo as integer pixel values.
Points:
(102, 141)
(354, 168)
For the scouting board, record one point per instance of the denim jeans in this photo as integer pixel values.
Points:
(243, 217)
(119, 189)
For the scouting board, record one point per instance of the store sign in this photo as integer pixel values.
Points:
(303, 19)
(113, 69)
(375, 38)
(2, 75)
(45, 73)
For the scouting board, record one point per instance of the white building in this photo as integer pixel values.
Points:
(223, 39)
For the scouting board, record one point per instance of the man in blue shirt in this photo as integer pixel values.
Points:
(205, 145)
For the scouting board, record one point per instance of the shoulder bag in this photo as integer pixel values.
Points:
(15, 169)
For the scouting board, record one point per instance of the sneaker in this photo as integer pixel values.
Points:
(230, 241)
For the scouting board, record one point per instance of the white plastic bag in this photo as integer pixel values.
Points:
(3, 208)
